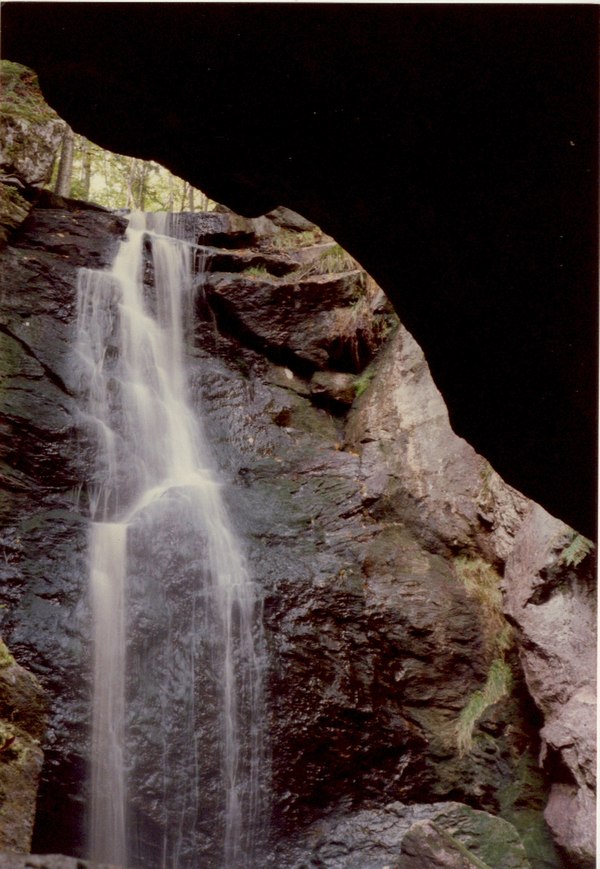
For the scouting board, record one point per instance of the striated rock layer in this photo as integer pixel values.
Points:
(382, 544)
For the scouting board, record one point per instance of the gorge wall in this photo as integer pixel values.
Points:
(452, 150)
(430, 631)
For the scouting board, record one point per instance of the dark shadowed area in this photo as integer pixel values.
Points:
(451, 149)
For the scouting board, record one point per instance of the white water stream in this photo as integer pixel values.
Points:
(154, 476)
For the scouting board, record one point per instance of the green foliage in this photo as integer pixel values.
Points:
(287, 239)
(498, 685)
(117, 181)
(335, 259)
(576, 551)
(6, 659)
(362, 383)
(482, 585)
(257, 272)
(112, 180)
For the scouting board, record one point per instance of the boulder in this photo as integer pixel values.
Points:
(426, 846)
(308, 322)
(335, 387)
(30, 131)
(398, 836)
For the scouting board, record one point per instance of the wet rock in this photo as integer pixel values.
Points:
(42, 472)
(375, 643)
(413, 837)
(217, 229)
(376, 552)
(48, 861)
(22, 727)
(223, 260)
(286, 317)
(426, 845)
(314, 322)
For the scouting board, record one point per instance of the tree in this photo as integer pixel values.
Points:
(65, 167)
(86, 167)
(117, 181)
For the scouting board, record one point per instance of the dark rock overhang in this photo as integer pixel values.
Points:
(451, 149)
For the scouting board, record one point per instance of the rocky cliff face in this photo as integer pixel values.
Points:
(43, 535)
(30, 135)
(452, 150)
(22, 727)
(410, 598)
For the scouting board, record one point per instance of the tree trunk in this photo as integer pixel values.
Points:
(183, 195)
(130, 182)
(142, 177)
(191, 197)
(65, 168)
(171, 199)
(86, 168)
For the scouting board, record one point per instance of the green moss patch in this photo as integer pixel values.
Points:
(6, 659)
(21, 94)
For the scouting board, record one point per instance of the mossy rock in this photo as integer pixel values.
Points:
(21, 94)
(30, 131)
(489, 839)
(13, 210)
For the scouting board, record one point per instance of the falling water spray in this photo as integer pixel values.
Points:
(177, 641)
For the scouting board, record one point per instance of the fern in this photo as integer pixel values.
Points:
(576, 551)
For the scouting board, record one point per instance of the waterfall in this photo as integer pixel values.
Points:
(177, 771)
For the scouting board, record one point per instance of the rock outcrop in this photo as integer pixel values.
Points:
(550, 597)
(377, 540)
(445, 835)
(30, 136)
(43, 537)
(22, 727)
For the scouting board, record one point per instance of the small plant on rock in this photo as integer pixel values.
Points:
(256, 272)
(482, 585)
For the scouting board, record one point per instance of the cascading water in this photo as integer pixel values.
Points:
(177, 771)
